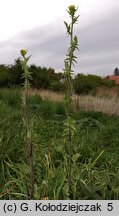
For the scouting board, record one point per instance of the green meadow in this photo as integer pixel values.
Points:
(95, 164)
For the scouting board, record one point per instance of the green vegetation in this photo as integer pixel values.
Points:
(43, 78)
(89, 84)
(46, 78)
(95, 163)
(49, 149)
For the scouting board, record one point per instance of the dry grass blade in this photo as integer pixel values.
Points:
(94, 103)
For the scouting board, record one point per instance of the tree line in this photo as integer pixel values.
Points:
(47, 78)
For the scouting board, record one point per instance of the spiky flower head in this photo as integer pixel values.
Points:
(72, 9)
(23, 52)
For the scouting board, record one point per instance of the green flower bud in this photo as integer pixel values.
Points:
(23, 52)
(72, 9)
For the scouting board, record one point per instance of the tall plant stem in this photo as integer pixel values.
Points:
(69, 108)
(69, 61)
(29, 144)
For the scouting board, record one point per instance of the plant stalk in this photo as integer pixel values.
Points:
(29, 144)
(69, 109)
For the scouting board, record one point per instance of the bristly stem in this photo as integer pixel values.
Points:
(27, 77)
(69, 61)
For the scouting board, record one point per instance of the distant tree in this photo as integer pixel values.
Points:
(4, 75)
(85, 84)
(16, 72)
(39, 76)
(116, 71)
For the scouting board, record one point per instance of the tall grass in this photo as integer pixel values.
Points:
(101, 104)
(46, 94)
(108, 92)
(95, 172)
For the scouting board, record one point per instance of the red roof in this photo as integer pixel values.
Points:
(115, 78)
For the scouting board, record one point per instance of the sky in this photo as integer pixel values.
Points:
(39, 27)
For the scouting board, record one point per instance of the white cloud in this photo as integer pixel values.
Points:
(20, 15)
(38, 26)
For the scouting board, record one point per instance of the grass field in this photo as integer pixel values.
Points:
(105, 101)
(95, 164)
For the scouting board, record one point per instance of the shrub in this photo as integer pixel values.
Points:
(57, 86)
(85, 84)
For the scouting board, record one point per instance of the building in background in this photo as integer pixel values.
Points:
(115, 78)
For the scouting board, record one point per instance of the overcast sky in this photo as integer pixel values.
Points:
(38, 26)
